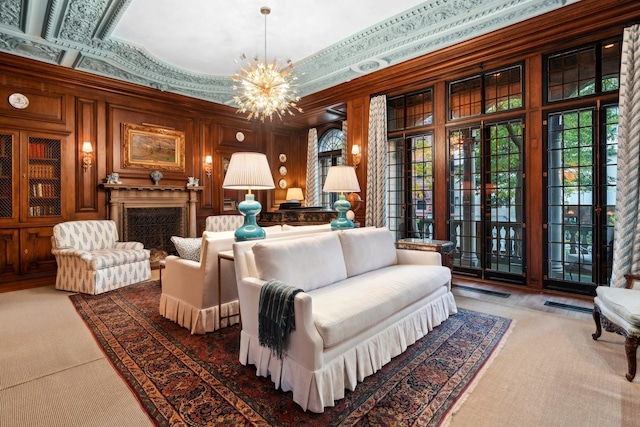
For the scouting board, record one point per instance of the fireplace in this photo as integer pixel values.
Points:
(154, 226)
(151, 214)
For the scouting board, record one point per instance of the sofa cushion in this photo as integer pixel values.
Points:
(367, 249)
(188, 247)
(379, 294)
(308, 263)
(107, 258)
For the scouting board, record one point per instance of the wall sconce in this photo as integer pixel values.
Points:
(208, 165)
(355, 154)
(87, 149)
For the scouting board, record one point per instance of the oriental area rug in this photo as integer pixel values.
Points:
(196, 380)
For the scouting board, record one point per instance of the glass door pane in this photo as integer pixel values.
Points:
(504, 212)
(420, 216)
(571, 197)
(465, 226)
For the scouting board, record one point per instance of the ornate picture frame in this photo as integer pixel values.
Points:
(152, 147)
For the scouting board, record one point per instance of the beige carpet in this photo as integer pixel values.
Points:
(549, 372)
(52, 372)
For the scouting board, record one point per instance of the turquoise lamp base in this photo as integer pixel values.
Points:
(250, 230)
(342, 222)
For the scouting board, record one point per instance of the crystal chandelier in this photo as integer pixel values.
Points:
(265, 88)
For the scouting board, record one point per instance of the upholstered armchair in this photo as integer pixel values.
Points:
(91, 260)
(190, 286)
(618, 310)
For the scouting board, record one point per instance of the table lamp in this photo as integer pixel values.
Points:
(294, 194)
(249, 171)
(341, 179)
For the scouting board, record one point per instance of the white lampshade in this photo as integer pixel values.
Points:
(87, 147)
(294, 193)
(341, 179)
(248, 171)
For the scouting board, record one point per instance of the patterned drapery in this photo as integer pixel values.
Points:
(345, 154)
(376, 206)
(626, 256)
(313, 186)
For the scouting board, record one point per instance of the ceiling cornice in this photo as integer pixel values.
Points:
(76, 34)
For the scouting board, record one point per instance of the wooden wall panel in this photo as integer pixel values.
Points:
(43, 106)
(86, 130)
(138, 115)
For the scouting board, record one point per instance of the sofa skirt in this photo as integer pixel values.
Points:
(315, 390)
(198, 321)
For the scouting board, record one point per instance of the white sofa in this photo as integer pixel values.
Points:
(91, 260)
(364, 302)
(190, 286)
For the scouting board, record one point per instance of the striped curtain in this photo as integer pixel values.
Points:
(344, 154)
(376, 205)
(626, 255)
(313, 180)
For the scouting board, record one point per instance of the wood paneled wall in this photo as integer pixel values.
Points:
(84, 107)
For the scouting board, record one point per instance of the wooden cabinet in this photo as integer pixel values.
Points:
(32, 166)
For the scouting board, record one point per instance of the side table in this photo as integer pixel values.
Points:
(445, 248)
(158, 265)
(226, 255)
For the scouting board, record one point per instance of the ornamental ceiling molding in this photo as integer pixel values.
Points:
(76, 34)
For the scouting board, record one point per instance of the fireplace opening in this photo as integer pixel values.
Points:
(154, 227)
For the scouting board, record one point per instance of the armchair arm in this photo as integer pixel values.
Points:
(630, 279)
(70, 252)
(129, 245)
(305, 343)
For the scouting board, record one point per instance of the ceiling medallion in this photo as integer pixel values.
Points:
(266, 88)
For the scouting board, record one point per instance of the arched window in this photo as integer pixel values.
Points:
(329, 154)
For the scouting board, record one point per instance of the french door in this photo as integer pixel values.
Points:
(486, 194)
(581, 190)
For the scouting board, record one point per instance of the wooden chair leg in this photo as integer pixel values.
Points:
(596, 318)
(630, 347)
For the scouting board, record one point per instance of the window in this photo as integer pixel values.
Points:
(329, 154)
(410, 111)
(492, 92)
(583, 72)
(577, 233)
(410, 186)
(581, 159)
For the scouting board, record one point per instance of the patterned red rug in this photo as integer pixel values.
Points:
(196, 380)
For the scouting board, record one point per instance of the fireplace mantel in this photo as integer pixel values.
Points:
(121, 196)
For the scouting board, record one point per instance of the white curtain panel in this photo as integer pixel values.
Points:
(345, 154)
(376, 206)
(626, 256)
(313, 185)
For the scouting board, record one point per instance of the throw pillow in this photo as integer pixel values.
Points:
(188, 247)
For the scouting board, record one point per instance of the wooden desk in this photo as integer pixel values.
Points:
(226, 255)
(301, 216)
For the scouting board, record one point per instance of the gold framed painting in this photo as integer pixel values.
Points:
(152, 147)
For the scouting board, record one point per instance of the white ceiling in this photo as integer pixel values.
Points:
(191, 47)
(207, 36)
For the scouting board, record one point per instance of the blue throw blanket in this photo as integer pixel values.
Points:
(276, 315)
